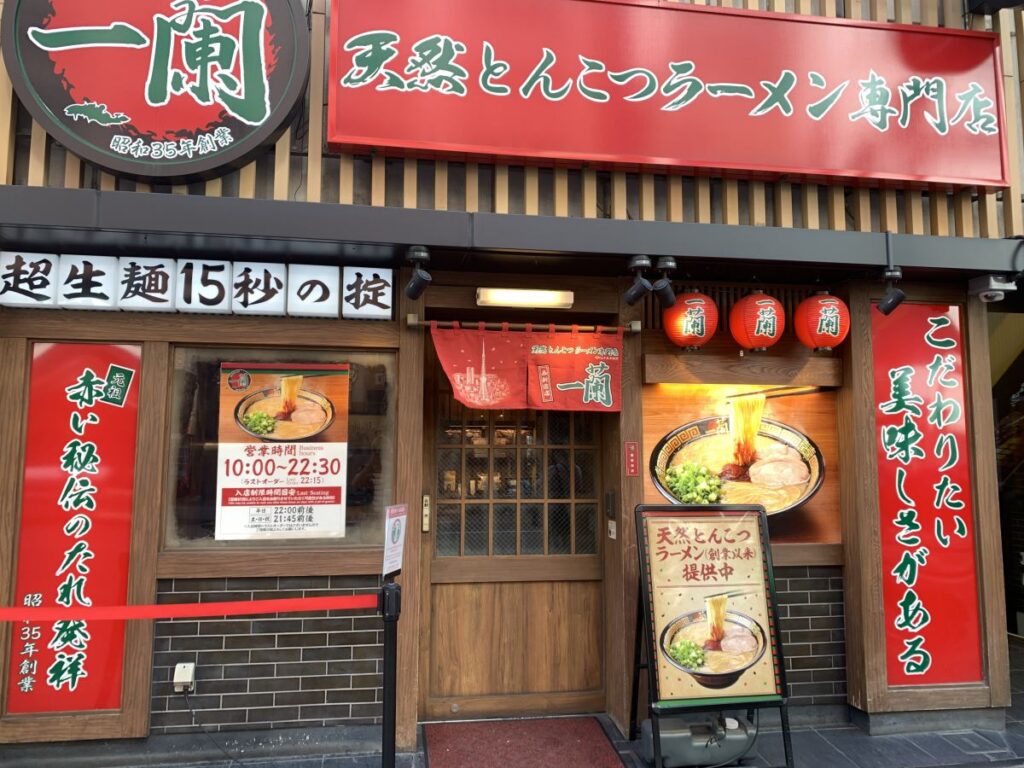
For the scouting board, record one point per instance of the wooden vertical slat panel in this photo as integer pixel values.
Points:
(378, 180)
(501, 189)
(410, 183)
(347, 180)
(783, 204)
(214, 187)
(835, 196)
(731, 201)
(930, 14)
(860, 199)
(37, 157)
(963, 213)
(282, 166)
(953, 13)
(675, 198)
(8, 111)
(247, 182)
(472, 187)
(619, 209)
(938, 206)
(531, 190)
(913, 219)
(879, 10)
(988, 204)
(441, 185)
(176, 189)
(904, 10)
(589, 193)
(702, 200)
(141, 186)
(647, 209)
(73, 171)
(809, 206)
(108, 183)
(757, 202)
(561, 192)
(315, 141)
(835, 204)
(888, 212)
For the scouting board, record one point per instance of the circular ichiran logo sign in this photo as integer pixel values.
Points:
(158, 88)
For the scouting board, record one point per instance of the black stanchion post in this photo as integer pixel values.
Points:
(390, 608)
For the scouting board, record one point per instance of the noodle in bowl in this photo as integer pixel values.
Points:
(789, 470)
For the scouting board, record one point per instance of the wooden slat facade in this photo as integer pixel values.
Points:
(300, 167)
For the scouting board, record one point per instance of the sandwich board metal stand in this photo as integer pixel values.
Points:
(645, 655)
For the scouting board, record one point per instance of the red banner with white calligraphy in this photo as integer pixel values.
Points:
(75, 534)
(932, 621)
(808, 96)
(542, 370)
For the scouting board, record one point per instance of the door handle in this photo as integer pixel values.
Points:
(426, 513)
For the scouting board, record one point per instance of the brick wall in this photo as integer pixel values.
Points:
(275, 671)
(813, 634)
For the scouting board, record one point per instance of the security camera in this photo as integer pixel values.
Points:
(990, 288)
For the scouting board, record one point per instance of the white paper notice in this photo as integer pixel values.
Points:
(394, 538)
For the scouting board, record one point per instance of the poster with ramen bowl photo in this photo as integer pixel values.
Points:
(743, 444)
(282, 454)
(709, 602)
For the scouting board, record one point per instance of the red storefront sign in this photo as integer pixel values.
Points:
(75, 534)
(543, 370)
(930, 591)
(641, 82)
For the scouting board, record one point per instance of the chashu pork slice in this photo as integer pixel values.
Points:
(778, 473)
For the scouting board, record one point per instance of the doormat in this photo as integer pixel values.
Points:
(565, 742)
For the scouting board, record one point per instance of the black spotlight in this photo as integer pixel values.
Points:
(421, 279)
(893, 295)
(641, 286)
(663, 286)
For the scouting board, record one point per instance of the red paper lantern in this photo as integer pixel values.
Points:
(691, 321)
(757, 321)
(822, 321)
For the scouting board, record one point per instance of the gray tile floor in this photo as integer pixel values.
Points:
(849, 747)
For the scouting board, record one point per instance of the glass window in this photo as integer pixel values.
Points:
(194, 428)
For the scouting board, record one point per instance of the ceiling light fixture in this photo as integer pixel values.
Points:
(525, 298)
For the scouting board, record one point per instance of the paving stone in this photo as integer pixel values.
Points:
(973, 743)
(877, 751)
(810, 750)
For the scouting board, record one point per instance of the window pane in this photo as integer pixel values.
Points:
(477, 432)
(586, 474)
(558, 428)
(505, 428)
(531, 428)
(560, 474)
(447, 530)
(559, 529)
(531, 462)
(585, 428)
(449, 473)
(531, 532)
(191, 495)
(586, 529)
(504, 475)
(504, 529)
(476, 529)
(477, 473)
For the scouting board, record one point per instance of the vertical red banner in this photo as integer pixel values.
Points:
(75, 532)
(930, 585)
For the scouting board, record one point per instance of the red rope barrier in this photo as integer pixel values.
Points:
(193, 610)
